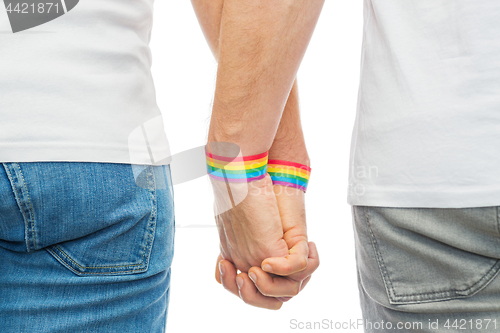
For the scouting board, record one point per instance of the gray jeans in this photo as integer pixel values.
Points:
(428, 269)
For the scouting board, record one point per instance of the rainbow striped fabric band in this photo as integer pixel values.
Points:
(289, 174)
(237, 170)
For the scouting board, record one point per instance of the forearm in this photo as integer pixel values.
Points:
(288, 143)
(258, 59)
(209, 14)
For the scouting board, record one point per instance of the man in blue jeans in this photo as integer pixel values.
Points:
(84, 248)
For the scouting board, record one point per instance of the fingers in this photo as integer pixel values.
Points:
(273, 286)
(227, 273)
(296, 261)
(251, 295)
(312, 264)
(313, 260)
(285, 286)
(304, 282)
(217, 269)
(261, 289)
(283, 299)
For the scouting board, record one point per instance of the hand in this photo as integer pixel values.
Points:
(251, 231)
(270, 286)
(271, 290)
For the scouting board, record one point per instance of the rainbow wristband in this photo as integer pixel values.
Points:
(237, 170)
(289, 174)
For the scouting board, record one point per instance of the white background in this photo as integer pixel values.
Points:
(184, 73)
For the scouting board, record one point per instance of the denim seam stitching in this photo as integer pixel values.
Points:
(92, 267)
(449, 294)
(71, 268)
(151, 226)
(380, 260)
(453, 292)
(18, 200)
(149, 223)
(31, 208)
(498, 226)
(492, 271)
(152, 216)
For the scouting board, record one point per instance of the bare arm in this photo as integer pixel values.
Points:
(288, 143)
(260, 46)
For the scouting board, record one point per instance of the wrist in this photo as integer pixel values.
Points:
(231, 174)
(247, 144)
(297, 154)
(289, 145)
(235, 168)
(289, 173)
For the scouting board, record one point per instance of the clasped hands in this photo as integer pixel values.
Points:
(264, 237)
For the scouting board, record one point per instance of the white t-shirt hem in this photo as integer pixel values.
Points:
(81, 154)
(427, 199)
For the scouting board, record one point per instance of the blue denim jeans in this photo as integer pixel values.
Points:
(435, 266)
(85, 247)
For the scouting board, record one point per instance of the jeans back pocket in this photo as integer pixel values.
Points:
(126, 217)
(428, 254)
(93, 218)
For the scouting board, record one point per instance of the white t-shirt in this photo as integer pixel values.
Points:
(427, 129)
(75, 83)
